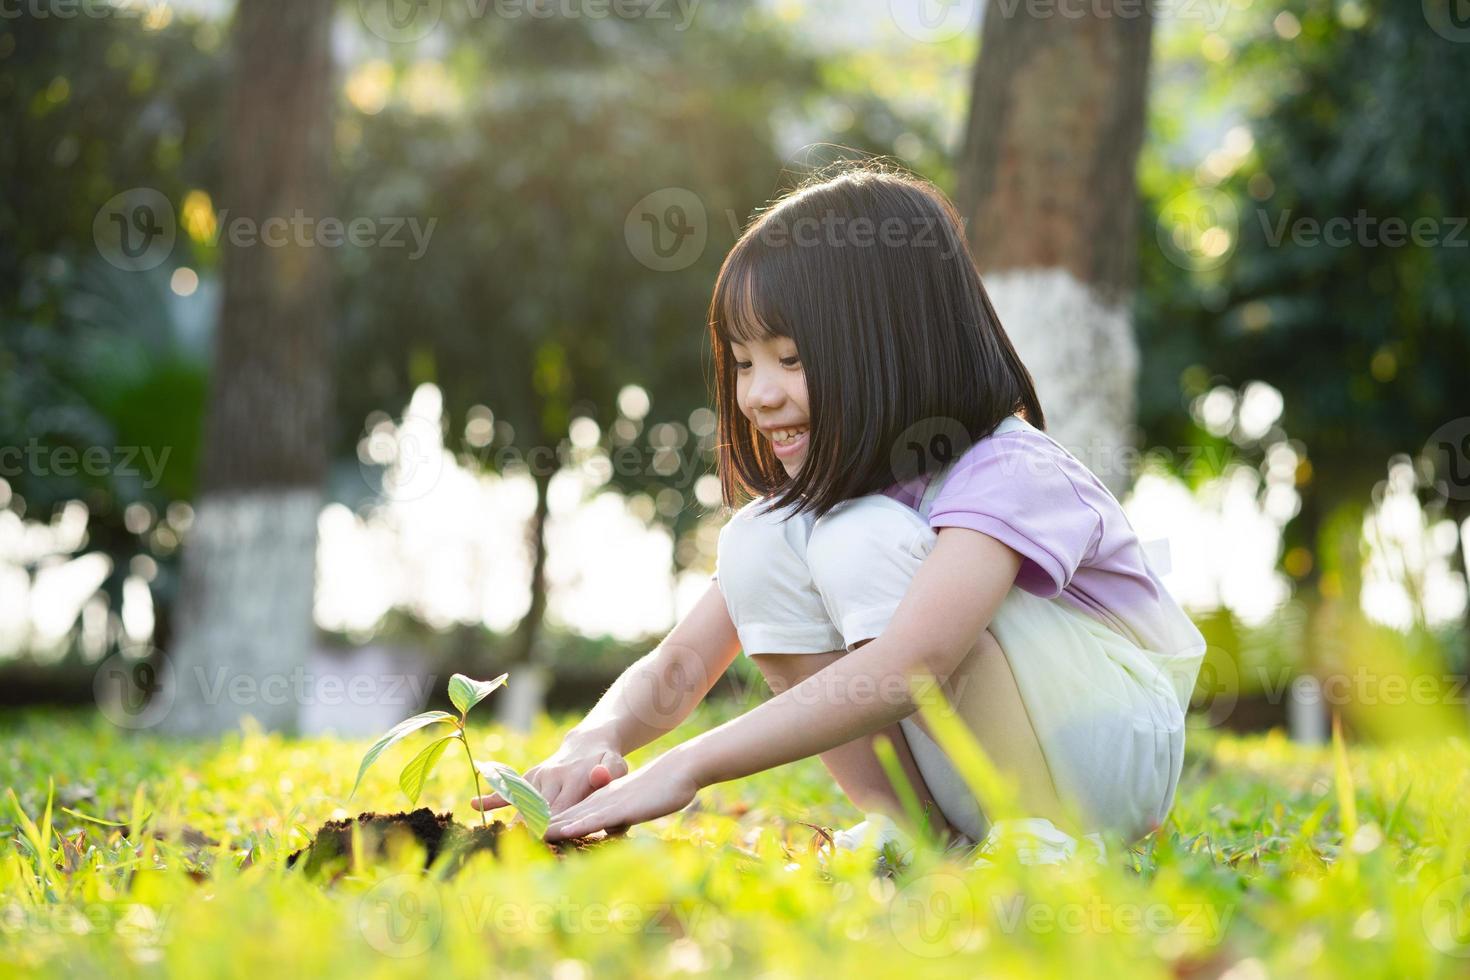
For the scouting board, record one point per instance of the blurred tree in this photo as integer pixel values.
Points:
(1338, 271)
(245, 607)
(95, 357)
(586, 177)
(1047, 184)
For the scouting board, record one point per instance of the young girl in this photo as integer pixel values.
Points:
(912, 520)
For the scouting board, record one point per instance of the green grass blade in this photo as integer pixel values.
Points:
(1347, 794)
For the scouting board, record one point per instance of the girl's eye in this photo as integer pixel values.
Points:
(791, 361)
(741, 365)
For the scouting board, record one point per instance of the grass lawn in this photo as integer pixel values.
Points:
(1277, 861)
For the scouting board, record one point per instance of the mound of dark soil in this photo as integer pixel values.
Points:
(436, 832)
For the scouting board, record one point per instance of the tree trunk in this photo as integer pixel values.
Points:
(526, 696)
(1046, 183)
(245, 625)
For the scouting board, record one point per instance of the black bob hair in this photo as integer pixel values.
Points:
(905, 360)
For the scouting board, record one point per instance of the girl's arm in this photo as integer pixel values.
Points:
(951, 600)
(953, 597)
(657, 692)
(647, 700)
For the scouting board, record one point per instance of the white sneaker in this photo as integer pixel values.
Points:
(1035, 840)
(895, 848)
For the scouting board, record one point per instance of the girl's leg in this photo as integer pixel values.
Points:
(855, 766)
(982, 691)
(862, 556)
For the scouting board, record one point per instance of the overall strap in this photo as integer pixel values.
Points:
(1009, 424)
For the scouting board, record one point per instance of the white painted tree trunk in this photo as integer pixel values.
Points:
(525, 697)
(1082, 354)
(245, 627)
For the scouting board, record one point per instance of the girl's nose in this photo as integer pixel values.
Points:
(764, 394)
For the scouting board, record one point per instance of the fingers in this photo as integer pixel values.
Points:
(492, 802)
(609, 767)
(568, 797)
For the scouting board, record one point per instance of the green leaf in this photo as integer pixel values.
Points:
(406, 727)
(511, 785)
(411, 779)
(466, 692)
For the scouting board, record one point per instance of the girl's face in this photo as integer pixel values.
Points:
(770, 387)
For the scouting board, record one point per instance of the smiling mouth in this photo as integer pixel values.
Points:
(787, 437)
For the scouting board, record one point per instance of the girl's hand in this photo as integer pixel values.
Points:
(662, 787)
(576, 769)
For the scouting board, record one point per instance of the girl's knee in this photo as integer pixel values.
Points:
(862, 556)
(761, 567)
(760, 548)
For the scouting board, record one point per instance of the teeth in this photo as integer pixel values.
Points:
(784, 436)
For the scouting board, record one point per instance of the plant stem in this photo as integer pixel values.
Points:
(464, 739)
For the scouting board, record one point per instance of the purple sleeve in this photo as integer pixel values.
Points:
(1014, 490)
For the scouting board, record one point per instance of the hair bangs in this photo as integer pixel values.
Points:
(743, 311)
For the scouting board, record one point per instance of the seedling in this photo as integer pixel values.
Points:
(465, 693)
